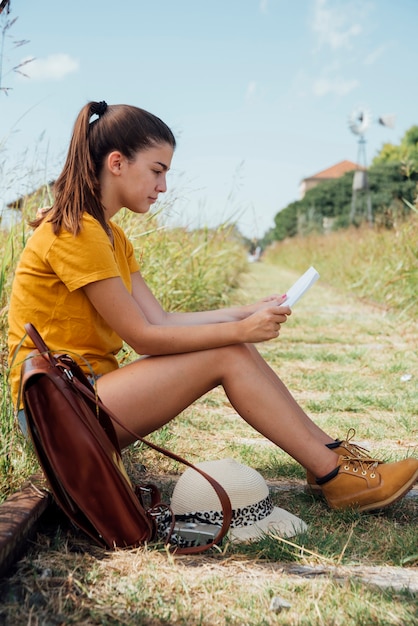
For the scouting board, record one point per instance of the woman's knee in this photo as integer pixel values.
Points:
(235, 354)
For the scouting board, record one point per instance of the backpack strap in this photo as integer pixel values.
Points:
(220, 491)
(39, 343)
(89, 393)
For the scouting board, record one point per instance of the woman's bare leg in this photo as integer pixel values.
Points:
(150, 392)
(314, 428)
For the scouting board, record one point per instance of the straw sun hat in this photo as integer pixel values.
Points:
(253, 513)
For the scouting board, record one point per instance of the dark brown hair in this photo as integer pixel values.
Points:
(121, 127)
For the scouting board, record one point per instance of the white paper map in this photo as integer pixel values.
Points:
(302, 285)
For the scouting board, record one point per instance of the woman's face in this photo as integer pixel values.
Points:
(139, 182)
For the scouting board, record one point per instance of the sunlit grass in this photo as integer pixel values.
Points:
(377, 265)
(345, 363)
(186, 270)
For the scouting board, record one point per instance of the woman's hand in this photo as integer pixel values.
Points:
(265, 323)
(147, 329)
(274, 299)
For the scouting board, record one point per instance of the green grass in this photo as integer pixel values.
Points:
(344, 361)
(377, 265)
(191, 270)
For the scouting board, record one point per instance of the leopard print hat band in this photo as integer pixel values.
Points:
(254, 513)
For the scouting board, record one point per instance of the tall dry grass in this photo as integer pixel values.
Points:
(378, 265)
(186, 270)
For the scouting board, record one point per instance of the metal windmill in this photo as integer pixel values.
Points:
(359, 121)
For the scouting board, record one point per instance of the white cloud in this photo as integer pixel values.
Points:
(251, 88)
(374, 55)
(263, 6)
(53, 67)
(336, 86)
(340, 28)
(337, 25)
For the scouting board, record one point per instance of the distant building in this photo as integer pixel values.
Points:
(331, 173)
(11, 212)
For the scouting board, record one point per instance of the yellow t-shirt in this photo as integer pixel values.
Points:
(47, 292)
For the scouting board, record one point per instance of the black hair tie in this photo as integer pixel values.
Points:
(98, 108)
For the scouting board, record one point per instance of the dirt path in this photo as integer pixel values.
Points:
(324, 319)
(350, 364)
(360, 351)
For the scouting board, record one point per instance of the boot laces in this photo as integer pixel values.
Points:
(356, 451)
(359, 466)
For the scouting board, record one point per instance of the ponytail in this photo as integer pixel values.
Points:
(119, 127)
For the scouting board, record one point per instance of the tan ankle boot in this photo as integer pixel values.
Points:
(368, 485)
(345, 448)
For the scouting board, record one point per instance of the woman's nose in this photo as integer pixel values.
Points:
(162, 185)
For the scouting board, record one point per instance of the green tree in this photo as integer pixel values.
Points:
(286, 222)
(392, 179)
(406, 153)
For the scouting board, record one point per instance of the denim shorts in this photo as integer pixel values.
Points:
(21, 418)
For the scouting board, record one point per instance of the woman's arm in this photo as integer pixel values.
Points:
(155, 314)
(145, 326)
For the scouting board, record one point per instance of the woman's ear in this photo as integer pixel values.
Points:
(114, 162)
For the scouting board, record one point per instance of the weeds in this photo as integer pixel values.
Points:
(186, 271)
(376, 265)
(347, 369)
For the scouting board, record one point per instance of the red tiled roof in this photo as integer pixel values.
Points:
(336, 170)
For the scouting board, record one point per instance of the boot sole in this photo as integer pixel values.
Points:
(393, 498)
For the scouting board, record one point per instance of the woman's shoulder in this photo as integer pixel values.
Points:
(90, 227)
(45, 228)
(117, 229)
(45, 242)
(91, 224)
(42, 236)
(119, 235)
(91, 236)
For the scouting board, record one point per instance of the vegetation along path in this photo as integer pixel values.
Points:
(351, 365)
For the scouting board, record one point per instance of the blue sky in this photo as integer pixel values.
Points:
(258, 92)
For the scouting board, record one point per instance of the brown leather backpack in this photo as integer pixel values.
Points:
(77, 447)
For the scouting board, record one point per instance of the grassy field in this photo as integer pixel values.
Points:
(350, 364)
(190, 271)
(375, 265)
